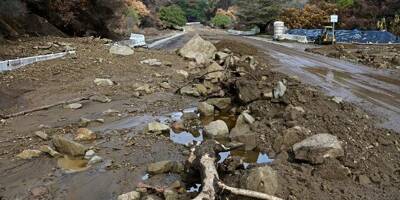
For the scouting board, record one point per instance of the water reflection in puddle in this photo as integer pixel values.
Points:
(72, 165)
(195, 188)
(248, 157)
(145, 177)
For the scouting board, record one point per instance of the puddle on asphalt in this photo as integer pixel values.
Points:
(72, 165)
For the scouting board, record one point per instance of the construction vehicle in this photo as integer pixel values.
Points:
(327, 36)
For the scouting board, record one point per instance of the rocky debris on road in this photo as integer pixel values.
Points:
(217, 129)
(279, 90)
(198, 49)
(121, 50)
(151, 62)
(42, 135)
(317, 148)
(89, 154)
(95, 159)
(69, 147)
(84, 134)
(29, 154)
(246, 93)
(73, 106)
(100, 98)
(220, 103)
(205, 109)
(134, 195)
(103, 82)
(262, 179)
(156, 128)
(47, 149)
(165, 167)
(182, 73)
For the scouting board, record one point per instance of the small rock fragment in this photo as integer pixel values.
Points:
(364, 180)
(151, 62)
(182, 73)
(100, 98)
(29, 154)
(69, 147)
(262, 179)
(220, 103)
(157, 128)
(103, 82)
(130, 196)
(160, 167)
(279, 90)
(121, 50)
(42, 135)
(84, 134)
(89, 154)
(337, 100)
(95, 160)
(47, 149)
(73, 106)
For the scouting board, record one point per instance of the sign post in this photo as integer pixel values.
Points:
(334, 19)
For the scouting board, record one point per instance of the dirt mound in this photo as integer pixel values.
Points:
(237, 47)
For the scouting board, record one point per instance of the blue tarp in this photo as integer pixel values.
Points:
(351, 36)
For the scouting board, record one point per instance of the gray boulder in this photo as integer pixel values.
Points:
(318, 147)
(242, 132)
(262, 179)
(220, 103)
(279, 90)
(205, 109)
(198, 49)
(217, 129)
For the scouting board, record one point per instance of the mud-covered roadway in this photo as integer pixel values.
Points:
(370, 168)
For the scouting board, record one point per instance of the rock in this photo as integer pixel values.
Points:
(103, 82)
(205, 109)
(337, 100)
(242, 132)
(190, 91)
(89, 154)
(217, 129)
(178, 127)
(262, 179)
(201, 89)
(165, 85)
(73, 106)
(217, 72)
(100, 98)
(220, 103)
(279, 90)
(83, 122)
(38, 192)
(187, 116)
(221, 56)
(151, 197)
(84, 134)
(69, 147)
(364, 180)
(160, 167)
(144, 88)
(42, 135)
(151, 62)
(94, 160)
(318, 147)
(198, 49)
(130, 196)
(47, 149)
(182, 73)
(290, 137)
(29, 154)
(170, 195)
(247, 92)
(157, 128)
(121, 50)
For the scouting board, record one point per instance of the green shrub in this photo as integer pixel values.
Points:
(222, 21)
(173, 15)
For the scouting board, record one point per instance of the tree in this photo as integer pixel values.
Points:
(222, 21)
(258, 12)
(173, 15)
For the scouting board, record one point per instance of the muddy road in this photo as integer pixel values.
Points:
(375, 90)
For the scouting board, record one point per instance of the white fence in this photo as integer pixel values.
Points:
(17, 63)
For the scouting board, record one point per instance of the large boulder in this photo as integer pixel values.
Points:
(262, 179)
(317, 148)
(198, 49)
(217, 129)
(69, 147)
(247, 92)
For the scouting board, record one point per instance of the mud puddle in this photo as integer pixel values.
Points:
(72, 165)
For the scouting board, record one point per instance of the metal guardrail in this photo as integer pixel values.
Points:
(8, 65)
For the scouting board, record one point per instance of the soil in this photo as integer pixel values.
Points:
(376, 56)
(369, 151)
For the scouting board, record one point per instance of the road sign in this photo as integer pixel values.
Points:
(334, 18)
